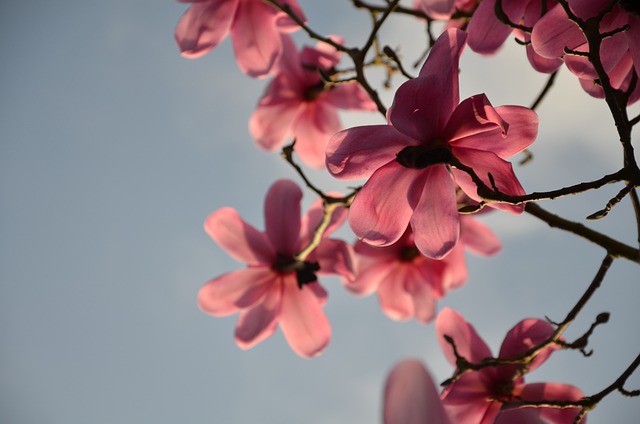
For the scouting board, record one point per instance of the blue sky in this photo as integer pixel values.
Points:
(114, 149)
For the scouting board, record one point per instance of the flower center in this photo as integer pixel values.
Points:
(420, 157)
(409, 253)
(631, 6)
(305, 271)
(312, 93)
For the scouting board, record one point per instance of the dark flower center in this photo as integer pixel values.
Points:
(409, 253)
(305, 271)
(312, 93)
(420, 157)
(631, 6)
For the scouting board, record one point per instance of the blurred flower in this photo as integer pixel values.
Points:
(255, 27)
(619, 53)
(409, 283)
(408, 162)
(478, 396)
(276, 288)
(298, 103)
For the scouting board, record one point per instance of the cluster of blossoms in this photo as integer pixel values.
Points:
(435, 156)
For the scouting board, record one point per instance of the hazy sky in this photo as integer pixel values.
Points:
(114, 149)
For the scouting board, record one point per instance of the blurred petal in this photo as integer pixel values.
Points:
(369, 277)
(204, 25)
(334, 257)
(302, 321)
(256, 40)
(477, 237)
(313, 127)
(469, 345)
(258, 323)
(435, 222)
(358, 152)
(239, 239)
(349, 96)
(381, 210)
(395, 301)
(236, 290)
(411, 397)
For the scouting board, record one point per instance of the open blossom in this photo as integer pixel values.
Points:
(478, 396)
(298, 103)
(408, 162)
(255, 27)
(409, 283)
(619, 53)
(276, 288)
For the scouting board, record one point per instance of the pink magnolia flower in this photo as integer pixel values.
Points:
(408, 162)
(486, 32)
(620, 53)
(255, 27)
(478, 396)
(409, 283)
(299, 104)
(275, 288)
(411, 397)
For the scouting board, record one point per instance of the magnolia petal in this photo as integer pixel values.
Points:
(411, 397)
(474, 116)
(588, 9)
(553, 391)
(486, 32)
(454, 270)
(436, 9)
(258, 323)
(349, 96)
(421, 291)
(525, 335)
(236, 290)
(270, 124)
(395, 301)
(334, 257)
(468, 400)
(442, 63)
(239, 239)
(422, 106)
(468, 343)
(553, 32)
(256, 39)
(505, 130)
(356, 153)
(312, 129)
(284, 21)
(369, 276)
(381, 210)
(302, 321)
(282, 216)
(532, 15)
(477, 237)
(204, 25)
(483, 164)
(435, 222)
